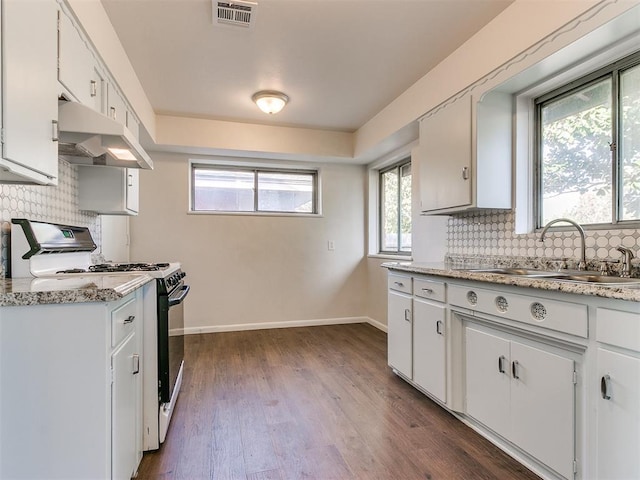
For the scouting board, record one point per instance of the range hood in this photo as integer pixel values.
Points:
(91, 138)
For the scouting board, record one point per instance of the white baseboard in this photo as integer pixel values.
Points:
(293, 323)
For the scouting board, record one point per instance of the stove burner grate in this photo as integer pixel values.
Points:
(127, 267)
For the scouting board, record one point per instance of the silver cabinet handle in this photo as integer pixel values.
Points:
(130, 180)
(407, 314)
(465, 173)
(605, 387)
(94, 88)
(501, 360)
(55, 131)
(400, 284)
(129, 319)
(428, 290)
(136, 364)
(439, 327)
(113, 112)
(514, 369)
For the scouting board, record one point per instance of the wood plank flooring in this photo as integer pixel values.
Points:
(312, 403)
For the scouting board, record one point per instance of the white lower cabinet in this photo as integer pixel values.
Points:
(71, 383)
(618, 435)
(124, 417)
(523, 393)
(617, 394)
(400, 332)
(429, 347)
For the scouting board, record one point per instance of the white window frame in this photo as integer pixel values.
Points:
(525, 125)
(373, 196)
(257, 164)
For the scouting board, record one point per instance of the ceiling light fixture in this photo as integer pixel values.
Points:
(270, 101)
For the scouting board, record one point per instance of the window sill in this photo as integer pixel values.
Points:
(257, 214)
(386, 256)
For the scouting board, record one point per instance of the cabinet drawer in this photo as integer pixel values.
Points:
(571, 318)
(621, 329)
(400, 283)
(123, 321)
(431, 289)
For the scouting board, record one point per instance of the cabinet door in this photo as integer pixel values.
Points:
(618, 435)
(29, 93)
(399, 333)
(116, 108)
(97, 101)
(124, 399)
(74, 61)
(445, 163)
(488, 379)
(133, 192)
(542, 401)
(429, 360)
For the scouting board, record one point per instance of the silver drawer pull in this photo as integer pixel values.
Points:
(439, 327)
(465, 173)
(93, 89)
(407, 315)
(514, 369)
(605, 387)
(400, 284)
(501, 360)
(136, 364)
(428, 290)
(55, 131)
(129, 319)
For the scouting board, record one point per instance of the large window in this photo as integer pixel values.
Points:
(229, 189)
(589, 148)
(395, 208)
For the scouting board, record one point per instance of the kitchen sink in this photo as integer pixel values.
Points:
(598, 279)
(575, 277)
(521, 272)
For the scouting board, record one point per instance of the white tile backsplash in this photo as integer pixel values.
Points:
(57, 204)
(491, 233)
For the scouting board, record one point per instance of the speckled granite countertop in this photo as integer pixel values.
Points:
(72, 289)
(626, 292)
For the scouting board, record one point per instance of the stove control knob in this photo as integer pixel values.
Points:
(182, 274)
(171, 281)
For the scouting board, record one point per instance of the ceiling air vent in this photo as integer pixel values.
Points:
(238, 13)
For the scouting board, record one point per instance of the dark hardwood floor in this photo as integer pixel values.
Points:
(317, 403)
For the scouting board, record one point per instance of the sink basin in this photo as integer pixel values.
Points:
(521, 272)
(598, 279)
(575, 277)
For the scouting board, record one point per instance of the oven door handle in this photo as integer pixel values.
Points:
(173, 301)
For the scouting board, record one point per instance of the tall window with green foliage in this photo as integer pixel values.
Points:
(395, 208)
(588, 165)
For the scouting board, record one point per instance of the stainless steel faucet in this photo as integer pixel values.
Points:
(627, 256)
(582, 265)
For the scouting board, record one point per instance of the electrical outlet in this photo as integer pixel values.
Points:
(331, 246)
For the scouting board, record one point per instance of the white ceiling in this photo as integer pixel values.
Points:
(340, 61)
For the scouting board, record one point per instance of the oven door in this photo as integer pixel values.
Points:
(170, 340)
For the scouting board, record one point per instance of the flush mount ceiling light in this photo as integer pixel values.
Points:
(270, 101)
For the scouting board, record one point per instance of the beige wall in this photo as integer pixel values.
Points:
(257, 269)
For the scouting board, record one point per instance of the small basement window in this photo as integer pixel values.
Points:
(230, 189)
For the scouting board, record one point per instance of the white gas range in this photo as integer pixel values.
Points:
(49, 251)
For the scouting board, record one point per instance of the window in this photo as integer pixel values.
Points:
(395, 208)
(589, 148)
(230, 189)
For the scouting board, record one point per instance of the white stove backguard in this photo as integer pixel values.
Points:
(41, 265)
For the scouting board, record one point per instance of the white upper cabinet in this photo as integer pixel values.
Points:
(116, 106)
(108, 190)
(465, 155)
(75, 62)
(29, 92)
